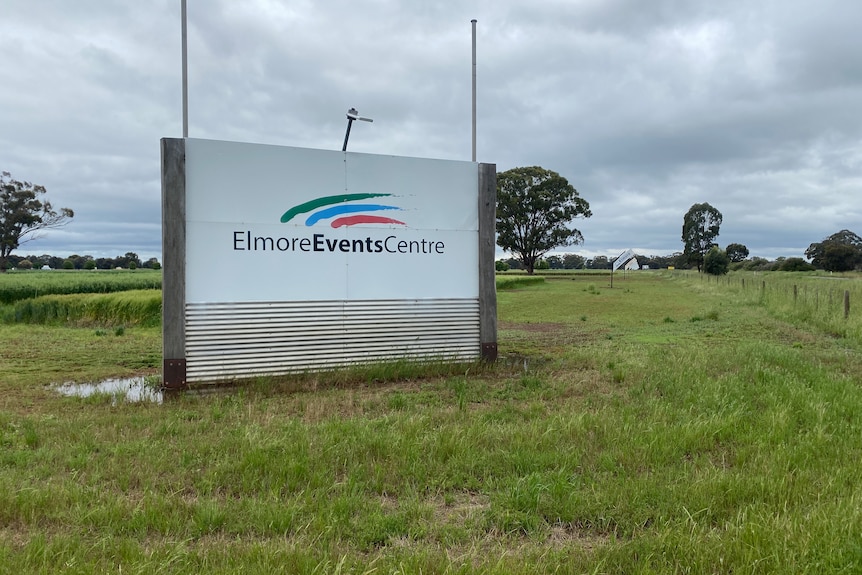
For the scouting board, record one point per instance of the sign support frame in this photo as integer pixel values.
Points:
(174, 242)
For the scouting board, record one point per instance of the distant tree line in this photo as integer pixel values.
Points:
(535, 209)
(841, 251)
(75, 262)
(578, 262)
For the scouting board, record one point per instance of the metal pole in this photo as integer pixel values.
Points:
(474, 88)
(185, 73)
(347, 134)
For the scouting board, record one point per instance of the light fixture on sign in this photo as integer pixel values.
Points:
(352, 114)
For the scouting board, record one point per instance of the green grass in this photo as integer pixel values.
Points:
(19, 285)
(516, 282)
(137, 307)
(810, 299)
(617, 434)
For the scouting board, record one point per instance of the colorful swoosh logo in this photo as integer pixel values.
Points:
(340, 208)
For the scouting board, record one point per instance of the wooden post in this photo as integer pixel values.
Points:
(795, 293)
(846, 304)
(173, 263)
(487, 279)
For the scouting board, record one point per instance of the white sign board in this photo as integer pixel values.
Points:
(280, 259)
(271, 223)
(623, 259)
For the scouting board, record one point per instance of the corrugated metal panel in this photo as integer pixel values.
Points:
(232, 340)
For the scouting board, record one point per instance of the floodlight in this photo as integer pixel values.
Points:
(352, 114)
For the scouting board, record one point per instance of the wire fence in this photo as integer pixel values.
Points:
(832, 303)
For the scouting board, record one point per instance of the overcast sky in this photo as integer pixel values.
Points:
(646, 107)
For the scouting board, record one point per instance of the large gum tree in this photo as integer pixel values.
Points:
(23, 215)
(840, 252)
(699, 230)
(535, 208)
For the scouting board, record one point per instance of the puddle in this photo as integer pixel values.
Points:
(523, 361)
(131, 389)
(135, 389)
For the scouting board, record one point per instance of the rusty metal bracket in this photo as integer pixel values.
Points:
(174, 374)
(489, 351)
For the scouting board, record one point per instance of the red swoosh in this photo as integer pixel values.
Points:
(364, 219)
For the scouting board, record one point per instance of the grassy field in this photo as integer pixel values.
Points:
(130, 307)
(19, 285)
(668, 425)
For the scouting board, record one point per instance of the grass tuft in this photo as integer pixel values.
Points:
(511, 283)
(139, 308)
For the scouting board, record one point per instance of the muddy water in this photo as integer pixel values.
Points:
(132, 389)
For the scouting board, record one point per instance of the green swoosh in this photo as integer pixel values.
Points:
(325, 201)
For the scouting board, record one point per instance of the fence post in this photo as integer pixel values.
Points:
(795, 293)
(846, 303)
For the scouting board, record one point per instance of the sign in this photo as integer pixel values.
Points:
(623, 259)
(272, 223)
(280, 259)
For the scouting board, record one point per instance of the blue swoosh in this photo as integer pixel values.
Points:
(339, 210)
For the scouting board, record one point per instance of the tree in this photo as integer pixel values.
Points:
(841, 257)
(104, 263)
(534, 208)
(38, 261)
(23, 215)
(842, 251)
(795, 265)
(675, 259)
(55, 262)
(716, 261)
(699, 230)
(679, 260)
(514, 264)
(757, 264)
(736, 252)
(131, 258)
(77, 261)
(555, 262)
(599, 263)
(573, 261)
(152, 263)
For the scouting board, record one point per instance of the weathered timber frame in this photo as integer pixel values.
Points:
(173, 263)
